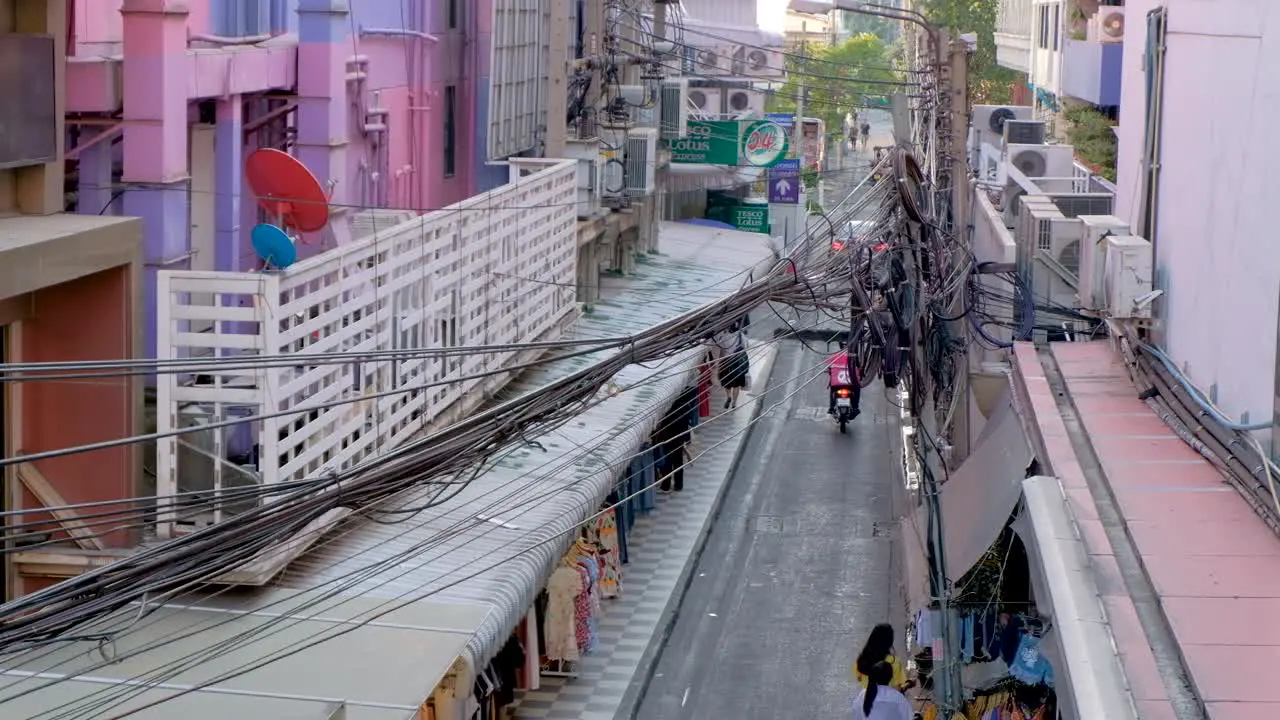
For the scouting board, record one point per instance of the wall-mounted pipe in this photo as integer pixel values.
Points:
(223, 40)
(398, 32)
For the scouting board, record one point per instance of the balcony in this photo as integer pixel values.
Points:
(1013, 35)
(1091, 71)
(495, 269)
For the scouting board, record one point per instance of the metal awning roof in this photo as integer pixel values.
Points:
(494, 544)
(331, 653)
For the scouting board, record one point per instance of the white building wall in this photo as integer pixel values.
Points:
(1215, 237)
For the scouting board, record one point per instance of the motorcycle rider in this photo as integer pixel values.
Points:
(841, 374)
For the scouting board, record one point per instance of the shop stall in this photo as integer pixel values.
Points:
(1004, 673)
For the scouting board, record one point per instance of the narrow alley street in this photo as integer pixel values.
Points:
(796, 571)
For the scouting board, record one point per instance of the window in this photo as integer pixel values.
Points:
(1042, 34)
(1057, 25)
(241, 18)
(453, 14)
(450, 130)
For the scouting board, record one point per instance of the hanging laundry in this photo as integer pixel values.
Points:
(1029, 665)
(622, 516)
(582, 610)
(563, 589)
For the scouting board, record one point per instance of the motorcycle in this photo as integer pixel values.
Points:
(845, 411)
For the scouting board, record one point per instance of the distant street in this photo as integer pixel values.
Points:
(796, 570)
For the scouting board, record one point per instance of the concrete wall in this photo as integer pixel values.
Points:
(60, 414)
(1215, 233)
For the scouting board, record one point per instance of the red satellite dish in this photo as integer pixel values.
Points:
(287, 189)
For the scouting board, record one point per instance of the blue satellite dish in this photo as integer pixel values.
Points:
(274, 247)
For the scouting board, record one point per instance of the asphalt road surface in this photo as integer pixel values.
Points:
(797, 568)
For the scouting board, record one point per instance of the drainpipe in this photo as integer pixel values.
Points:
(155, 138)
(229, 182)
(398, 32)
(223, 40)
(324, 43)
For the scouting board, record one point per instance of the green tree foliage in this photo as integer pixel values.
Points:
(832, 77)
(989, 83)
(1090, 133)
(882, 27)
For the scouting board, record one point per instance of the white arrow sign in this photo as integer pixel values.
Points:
(783, 187)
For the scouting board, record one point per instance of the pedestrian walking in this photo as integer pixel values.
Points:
(734, 365)
(879, 700)
(866, 134)
(879, 649)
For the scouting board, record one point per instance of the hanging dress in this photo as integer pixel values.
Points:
(582, 609)
(611, 573)
(563, 589)
(592, 565)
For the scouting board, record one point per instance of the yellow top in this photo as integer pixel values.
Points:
(899, 673)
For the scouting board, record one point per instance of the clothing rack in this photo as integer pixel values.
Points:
(565, 669)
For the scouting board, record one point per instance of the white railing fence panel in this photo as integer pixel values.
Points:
(496, 269)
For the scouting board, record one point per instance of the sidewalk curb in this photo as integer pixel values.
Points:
(648, 664)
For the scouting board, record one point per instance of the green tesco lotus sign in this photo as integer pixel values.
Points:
(751, 218)
(758, 143)
(707, 142)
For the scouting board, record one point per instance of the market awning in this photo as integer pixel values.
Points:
(494, 543)
(978, 498)
(361, 655)
(1089, 678)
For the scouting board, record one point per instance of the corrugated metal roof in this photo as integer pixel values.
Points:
(528, 498)
(193, 648)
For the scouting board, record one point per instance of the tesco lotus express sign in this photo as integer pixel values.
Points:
(764, 143)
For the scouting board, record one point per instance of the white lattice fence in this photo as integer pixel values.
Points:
(496, 269)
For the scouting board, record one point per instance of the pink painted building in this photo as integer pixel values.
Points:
(165, 100)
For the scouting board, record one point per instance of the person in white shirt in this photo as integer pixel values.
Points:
(879, 701)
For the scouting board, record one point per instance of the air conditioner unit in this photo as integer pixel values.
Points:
(1128, 278)
(706, 102)
(989, 120)
(1093, 257)
(1042, 161)
(1106, 25)
(674, 109)
(641, 163)
(613, 166)
(707, 61)
(640, 104)
(1049, 252)
(590, 175)
(762, 62)
(1024, 132)
(741, 103)
(990, 165)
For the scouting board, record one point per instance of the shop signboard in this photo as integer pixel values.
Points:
(764, 143)
(751, 218)
(784, 182)
(707, 142)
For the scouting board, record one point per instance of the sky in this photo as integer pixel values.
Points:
(771, 13)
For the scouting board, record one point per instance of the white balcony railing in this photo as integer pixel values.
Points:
(1014, 18)
(496, 269)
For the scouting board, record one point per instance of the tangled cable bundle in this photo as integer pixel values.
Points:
(811, 277)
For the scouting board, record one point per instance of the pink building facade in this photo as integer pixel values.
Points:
(166, 98)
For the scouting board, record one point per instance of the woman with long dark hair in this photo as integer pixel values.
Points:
(879, 649)
(879, 701)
